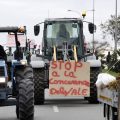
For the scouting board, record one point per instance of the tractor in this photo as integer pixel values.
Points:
(16, 78)
(65, 67)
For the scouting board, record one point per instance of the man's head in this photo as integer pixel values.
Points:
(63, 27)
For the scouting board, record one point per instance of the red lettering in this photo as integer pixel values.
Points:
(55, 74)
(69, 74)
(77, 65)
(53, 91)
(79, 93)
(69, 82)
(64, 92)
(84, 92)
(50, 81)
(60, 64)
(71, 91)
(65, 74)
(74, 92)
(60, 91)
(68, 65)
(87, 83)
(54, 65)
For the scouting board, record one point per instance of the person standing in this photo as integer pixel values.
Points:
(108, 58)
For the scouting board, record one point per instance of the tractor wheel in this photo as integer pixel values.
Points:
(2, 102)
(93, 89)
(39, 85)
(17, 107)
(25, 89)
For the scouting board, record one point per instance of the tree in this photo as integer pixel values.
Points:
(108, 28)
(99, 46)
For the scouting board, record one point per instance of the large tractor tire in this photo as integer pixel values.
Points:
(93, 89)
(25, 89)
(39, 74)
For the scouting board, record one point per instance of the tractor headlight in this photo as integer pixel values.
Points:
(23, 62)
(2, 80)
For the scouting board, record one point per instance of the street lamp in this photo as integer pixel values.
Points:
(74, 12)
(84, 14)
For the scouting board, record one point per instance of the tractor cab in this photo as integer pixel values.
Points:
(64, 37)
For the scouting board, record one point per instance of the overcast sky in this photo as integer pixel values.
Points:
(30, 12)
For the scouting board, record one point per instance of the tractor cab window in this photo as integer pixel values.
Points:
(60, 32)
(63, 35)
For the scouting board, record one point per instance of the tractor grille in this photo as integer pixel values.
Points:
(2, 71)
(60, 53)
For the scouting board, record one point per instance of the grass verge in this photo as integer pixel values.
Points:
(111, 73)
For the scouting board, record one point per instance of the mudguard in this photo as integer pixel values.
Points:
(94, 63)
(37, 64)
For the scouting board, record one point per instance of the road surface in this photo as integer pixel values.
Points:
(59, 109)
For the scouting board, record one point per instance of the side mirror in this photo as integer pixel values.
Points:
(91, 28)
(36, 30)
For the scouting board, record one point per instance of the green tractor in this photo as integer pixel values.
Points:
(63, 40)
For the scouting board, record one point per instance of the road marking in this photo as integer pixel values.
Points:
(55, 109)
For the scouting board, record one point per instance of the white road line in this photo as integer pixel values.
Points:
(55, 109)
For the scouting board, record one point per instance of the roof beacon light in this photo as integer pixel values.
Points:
(22, 29)
(84, 14)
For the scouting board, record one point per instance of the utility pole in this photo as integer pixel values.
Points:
(115, 50)
(116, 26)
(93, 23)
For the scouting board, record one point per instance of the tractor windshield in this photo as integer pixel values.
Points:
(60, 32)
(64, 35)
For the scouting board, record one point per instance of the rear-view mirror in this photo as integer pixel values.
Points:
(91, 28)
(36, 30)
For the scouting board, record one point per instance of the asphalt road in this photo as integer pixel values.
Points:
(59, 109)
